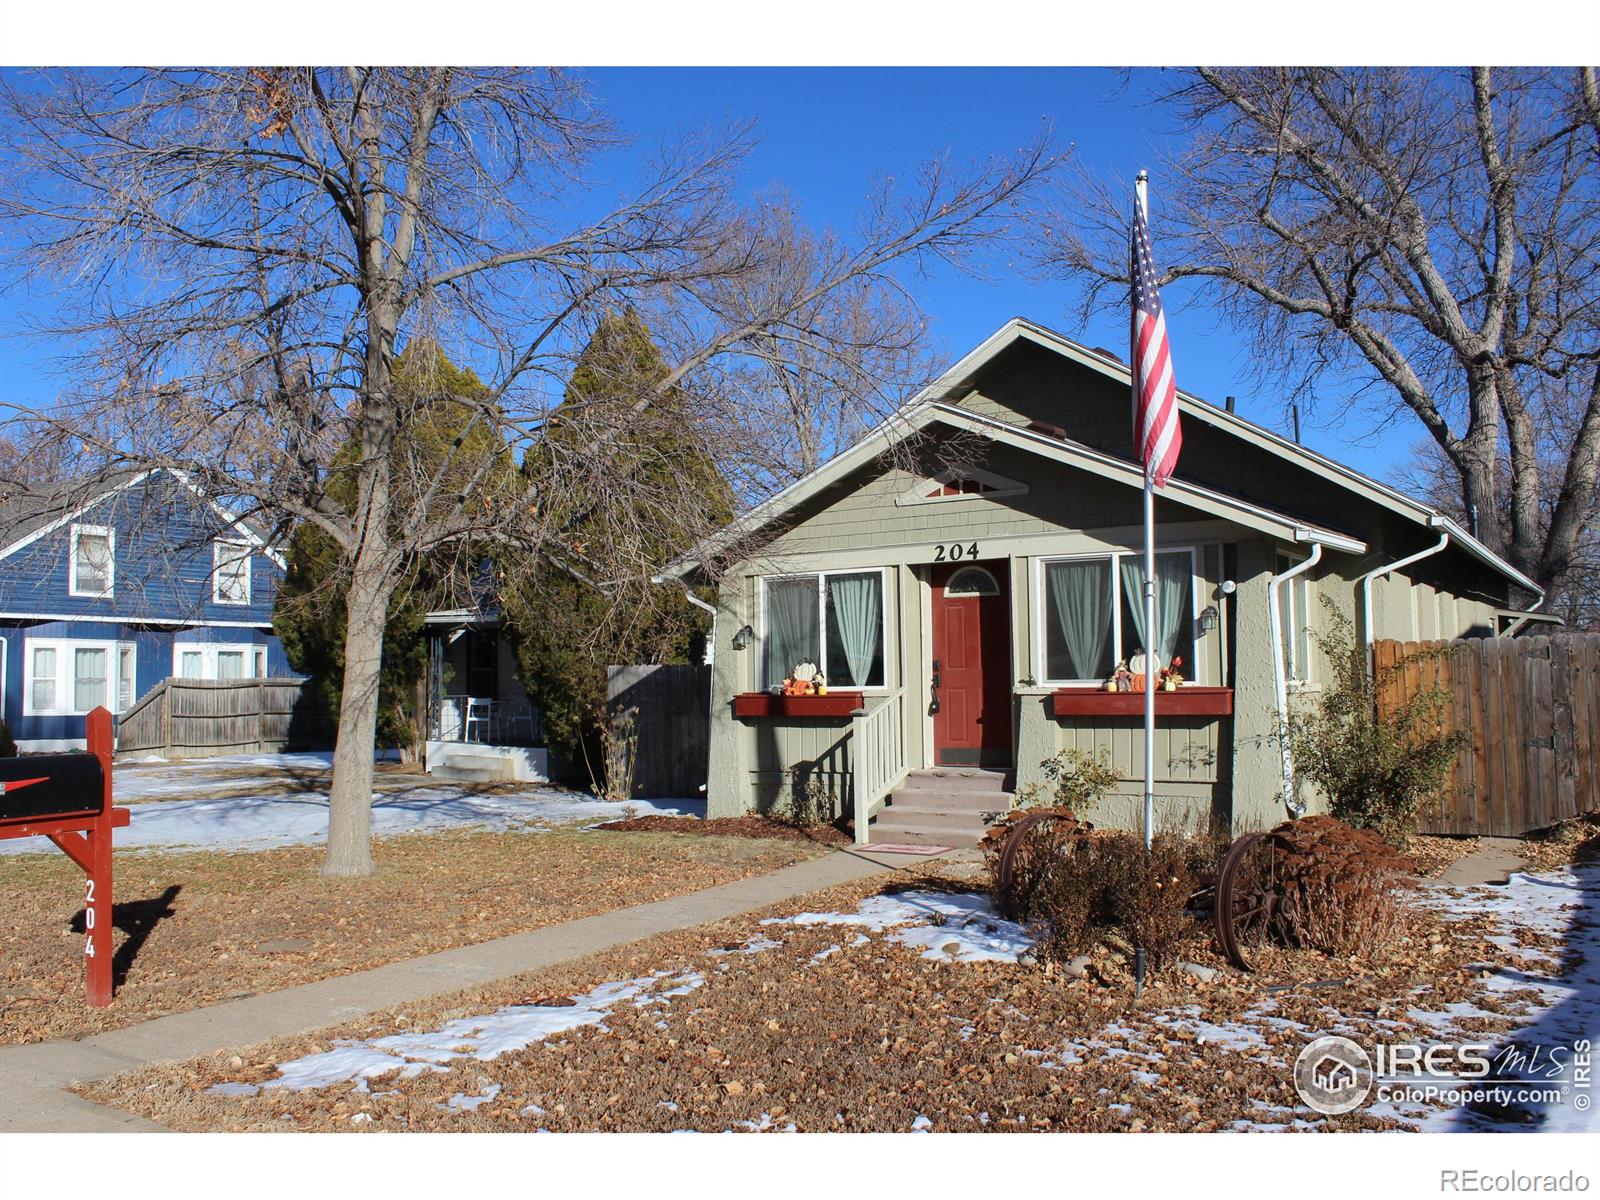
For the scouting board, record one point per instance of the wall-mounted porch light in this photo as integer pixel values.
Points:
(1208, 618)
(741, 640)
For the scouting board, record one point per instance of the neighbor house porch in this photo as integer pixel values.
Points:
(481, 725)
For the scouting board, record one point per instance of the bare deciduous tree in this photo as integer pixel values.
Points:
(1429, 233)
(242, 253)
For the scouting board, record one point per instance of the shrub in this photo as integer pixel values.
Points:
(1071, 886)
(1075, 780)
(1153, 907)
(1377, 765)
(1341, 888)
(808, 801)
(8, 748)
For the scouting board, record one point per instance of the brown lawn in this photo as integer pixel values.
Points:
(869, 1036)
(195, 928)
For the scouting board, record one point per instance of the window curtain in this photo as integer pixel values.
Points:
(858, 615)
(791, 634)
(1172, 601)
(1080, 597)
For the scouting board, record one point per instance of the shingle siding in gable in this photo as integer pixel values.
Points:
(163, 563)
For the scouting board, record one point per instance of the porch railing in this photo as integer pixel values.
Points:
(878, 757)
(484, 720)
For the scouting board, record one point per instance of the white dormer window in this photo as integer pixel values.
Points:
(91, 567)
(230, 572)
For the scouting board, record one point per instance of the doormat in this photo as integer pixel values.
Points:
(891, 848)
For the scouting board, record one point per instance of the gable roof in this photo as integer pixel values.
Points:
(40, 511)
(960, 379)
(920, 416)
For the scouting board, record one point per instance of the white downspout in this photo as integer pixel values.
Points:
(710, 610)
(1280, 683)
(1365, 583)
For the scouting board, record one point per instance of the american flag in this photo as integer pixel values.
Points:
(1157, 438)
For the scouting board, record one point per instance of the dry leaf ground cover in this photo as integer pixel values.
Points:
(201, 927)
(763, 1026)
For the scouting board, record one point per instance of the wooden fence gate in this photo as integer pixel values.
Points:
(1532, 707)
(672, 726)
(197, 718)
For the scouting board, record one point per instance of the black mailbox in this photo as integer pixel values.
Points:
(44, 785)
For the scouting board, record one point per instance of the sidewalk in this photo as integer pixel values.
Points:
(33, 1078)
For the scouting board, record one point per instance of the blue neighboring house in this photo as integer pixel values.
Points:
(108, 589)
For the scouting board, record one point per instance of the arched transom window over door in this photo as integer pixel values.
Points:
(972, 581)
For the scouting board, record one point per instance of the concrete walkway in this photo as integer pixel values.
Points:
(33, 1077)
(1492, 862)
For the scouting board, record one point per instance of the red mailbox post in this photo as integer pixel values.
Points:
(67, 798)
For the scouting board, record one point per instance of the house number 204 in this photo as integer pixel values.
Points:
(954, 552)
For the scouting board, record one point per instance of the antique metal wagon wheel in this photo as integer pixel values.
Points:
(1017, 837)
(1249, 889)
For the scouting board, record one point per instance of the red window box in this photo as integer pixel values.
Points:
(765, 704)
(1187, 701)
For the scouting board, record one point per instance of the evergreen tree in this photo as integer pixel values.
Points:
(590, 602)
(309, 612)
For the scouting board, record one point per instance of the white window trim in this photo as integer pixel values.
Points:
(216, 571)
(64, 679)
(1002, 487)
(890, 661)
(208, 652)
(1039, 613)
(110, 535)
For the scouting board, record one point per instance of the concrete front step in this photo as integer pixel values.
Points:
(970, 804)
(901, 813)
(474, 768)
(948, 780)
(916, 835)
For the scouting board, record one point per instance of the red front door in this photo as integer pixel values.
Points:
(971, 665)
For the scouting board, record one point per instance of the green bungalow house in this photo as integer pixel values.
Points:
(966, 579)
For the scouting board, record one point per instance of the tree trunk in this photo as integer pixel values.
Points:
(350, 800)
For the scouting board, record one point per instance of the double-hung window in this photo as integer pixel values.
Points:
(91, 567)
(219, 661)
(1091, 613)
(69, 676)
(1294, 623)
(833, 618)
(230, 572)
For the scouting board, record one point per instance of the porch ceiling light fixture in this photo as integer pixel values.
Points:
(741, 640)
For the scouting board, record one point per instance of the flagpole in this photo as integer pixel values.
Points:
(1141, 189)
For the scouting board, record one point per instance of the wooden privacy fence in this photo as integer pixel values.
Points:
(196, 718)
(1532, 708)
(672, 722)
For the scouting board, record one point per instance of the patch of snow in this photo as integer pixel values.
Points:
(960, 926)
(753, 945)
(233, 1089)
(765, 1124)
(461, 1102)
(482, 1038)
(1562, 994)
(921, 1124)
(263, 822)
(827, 952)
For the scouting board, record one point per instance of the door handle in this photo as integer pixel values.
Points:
(933, 691)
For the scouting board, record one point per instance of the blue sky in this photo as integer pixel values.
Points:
(826, 133)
